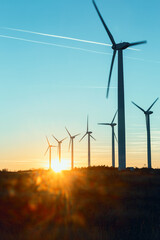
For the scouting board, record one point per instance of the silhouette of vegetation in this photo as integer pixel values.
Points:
(89, 203)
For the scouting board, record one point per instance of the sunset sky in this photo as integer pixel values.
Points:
(48, 83)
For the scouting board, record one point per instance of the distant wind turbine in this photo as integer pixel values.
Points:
(89, 147)
(59, 146)
(121, 108)
(50, 149)
(112, 124)
(147, 116)
(72, 147)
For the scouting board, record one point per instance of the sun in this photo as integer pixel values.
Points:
(59, 166)
(56, 165)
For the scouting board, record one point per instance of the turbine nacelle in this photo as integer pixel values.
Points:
(73, 137)
(122, 46)
(89, 132)
(112, 124)
(148, 112)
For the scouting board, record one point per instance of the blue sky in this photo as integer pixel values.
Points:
(45, 88)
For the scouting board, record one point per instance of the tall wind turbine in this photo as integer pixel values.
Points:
(50, 149)
(121, 108)
(59, 146)
(112, 124)
(72, 147)
(147, 116)
(89, 147)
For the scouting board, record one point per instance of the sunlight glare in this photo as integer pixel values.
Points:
(57, 166)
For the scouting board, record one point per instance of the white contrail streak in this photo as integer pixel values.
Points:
(53, 44)
(63, 37)
(57, 36)
(74, 48)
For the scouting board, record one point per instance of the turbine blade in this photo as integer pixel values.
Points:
(69, 145)
(63, 139)
(55, 138)
(48, 141)
(76, 135)
(87, 123)
(110, 73)
(115, 137)
(137, 43)
(114, 116)
(105, 26)
(139, 107)
(46, 151)
(92, 137)
(68, 131)
(83, 137)
(152, 104)
(108, 124)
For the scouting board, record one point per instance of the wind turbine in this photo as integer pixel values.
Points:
(112, 124)
(50, 149)
(121, 108)
(72, 147)
(147, 116)
(59, 146)
(89, 147)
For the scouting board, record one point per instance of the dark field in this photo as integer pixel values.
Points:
(95, 203)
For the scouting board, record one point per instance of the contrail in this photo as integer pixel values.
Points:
(74, 48)
(63, 37)
(57, 36)
(53, 44)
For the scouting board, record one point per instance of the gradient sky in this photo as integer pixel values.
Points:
(45, 87)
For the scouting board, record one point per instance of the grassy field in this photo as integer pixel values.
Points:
(96, 203)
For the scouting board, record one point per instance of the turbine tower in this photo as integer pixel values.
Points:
(121, 107)
(59, 146)
(112, 124)
(50, 149)
(147, 116)
(89, 147)
(72, 147)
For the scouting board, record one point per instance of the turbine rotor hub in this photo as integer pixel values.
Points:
(120, 46)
